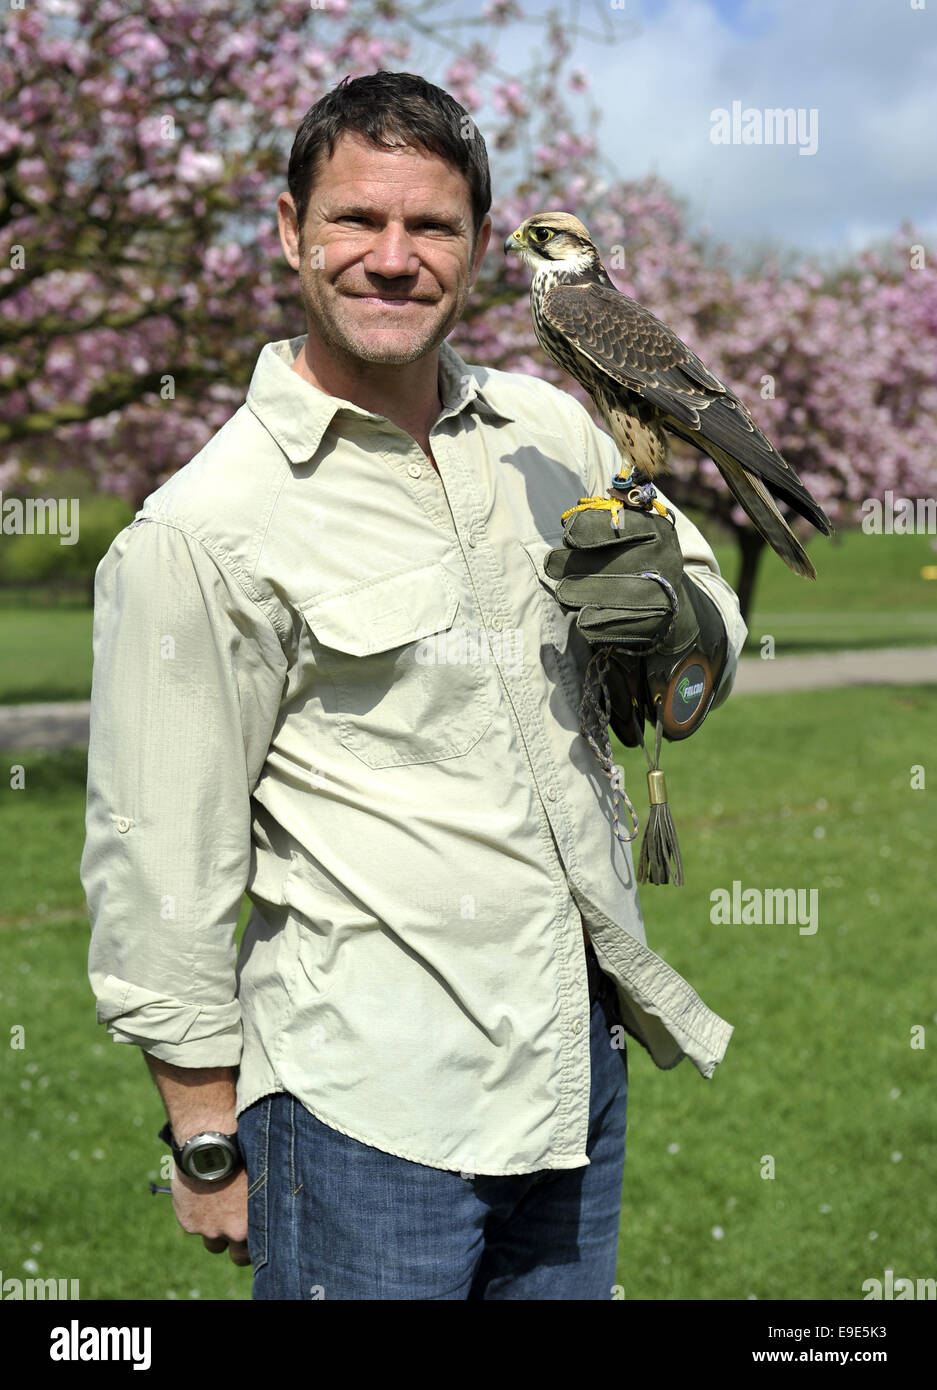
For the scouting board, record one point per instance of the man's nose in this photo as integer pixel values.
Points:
(391, 253)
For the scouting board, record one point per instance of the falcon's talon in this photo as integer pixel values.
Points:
(587, 504)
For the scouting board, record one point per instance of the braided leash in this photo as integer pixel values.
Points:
(660, 859)
(594, 714)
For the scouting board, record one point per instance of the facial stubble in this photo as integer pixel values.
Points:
(320, 312)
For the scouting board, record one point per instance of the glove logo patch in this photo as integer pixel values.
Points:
(689, 694)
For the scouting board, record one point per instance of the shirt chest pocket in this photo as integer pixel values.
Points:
(564, 651)
(388, 647)
(555, 622)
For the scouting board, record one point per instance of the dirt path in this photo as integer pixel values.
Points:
(66, 725)
(881, 666)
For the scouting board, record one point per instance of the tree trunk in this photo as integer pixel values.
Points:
(751, 547)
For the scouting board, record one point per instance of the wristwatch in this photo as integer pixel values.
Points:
(209, 1156)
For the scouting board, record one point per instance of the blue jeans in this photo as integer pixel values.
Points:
(330, 1217)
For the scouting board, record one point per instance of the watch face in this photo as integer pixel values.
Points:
(209, 1161)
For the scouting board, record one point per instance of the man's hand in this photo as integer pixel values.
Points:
(605, 574)
(215, 1211)
(199, 1099)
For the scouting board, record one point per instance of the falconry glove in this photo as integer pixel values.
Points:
(660, 644)
(666, 636)
(628, 584)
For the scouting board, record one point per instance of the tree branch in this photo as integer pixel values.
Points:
(116, 391)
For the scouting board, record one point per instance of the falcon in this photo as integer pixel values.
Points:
(646, 382)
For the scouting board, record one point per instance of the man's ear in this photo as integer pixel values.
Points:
(289, 229)
(481, 246)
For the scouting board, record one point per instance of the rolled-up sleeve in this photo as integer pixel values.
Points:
(186, 689)
(602, 462)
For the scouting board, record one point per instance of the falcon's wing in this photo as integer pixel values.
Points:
(637, 350)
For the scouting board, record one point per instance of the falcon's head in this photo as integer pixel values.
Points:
(554, 241)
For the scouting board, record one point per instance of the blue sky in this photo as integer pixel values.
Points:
(867, 68)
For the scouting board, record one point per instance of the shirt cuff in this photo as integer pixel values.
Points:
(723, 596)
(173, 1030)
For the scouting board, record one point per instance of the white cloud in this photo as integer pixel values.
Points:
(868, 68)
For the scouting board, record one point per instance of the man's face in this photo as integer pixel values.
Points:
(386, 256)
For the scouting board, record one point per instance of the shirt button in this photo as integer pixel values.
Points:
(577, 1025)
(123, 824)
(497, 624)
(414, 470)
(551, 793)
(471, 539)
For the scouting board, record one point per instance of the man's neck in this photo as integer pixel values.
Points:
(407, 395)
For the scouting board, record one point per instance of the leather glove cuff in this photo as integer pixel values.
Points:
(684, 681)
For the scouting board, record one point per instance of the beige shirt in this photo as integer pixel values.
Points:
(331, 676)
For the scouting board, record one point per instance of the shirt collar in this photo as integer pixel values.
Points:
(297, 414)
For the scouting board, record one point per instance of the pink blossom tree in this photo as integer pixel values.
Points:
(142, 146)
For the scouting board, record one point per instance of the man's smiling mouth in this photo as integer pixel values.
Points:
(389, 299)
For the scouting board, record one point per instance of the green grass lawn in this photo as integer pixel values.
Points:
(775, 791)
(45, 654)
(810, 792)
(869, 594)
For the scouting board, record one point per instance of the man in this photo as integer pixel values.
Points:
(330, 669)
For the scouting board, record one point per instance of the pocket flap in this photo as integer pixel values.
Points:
(537, 552)
(385, 613)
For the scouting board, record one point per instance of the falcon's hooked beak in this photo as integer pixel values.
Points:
(554, 242)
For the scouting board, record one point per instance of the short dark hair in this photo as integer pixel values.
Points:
(390, 109)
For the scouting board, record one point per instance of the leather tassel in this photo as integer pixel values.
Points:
(660, 860)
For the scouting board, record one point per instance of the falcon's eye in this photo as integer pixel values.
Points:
(541, 234)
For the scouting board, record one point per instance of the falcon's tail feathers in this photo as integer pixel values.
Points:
(726, 425)
(759, 505)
